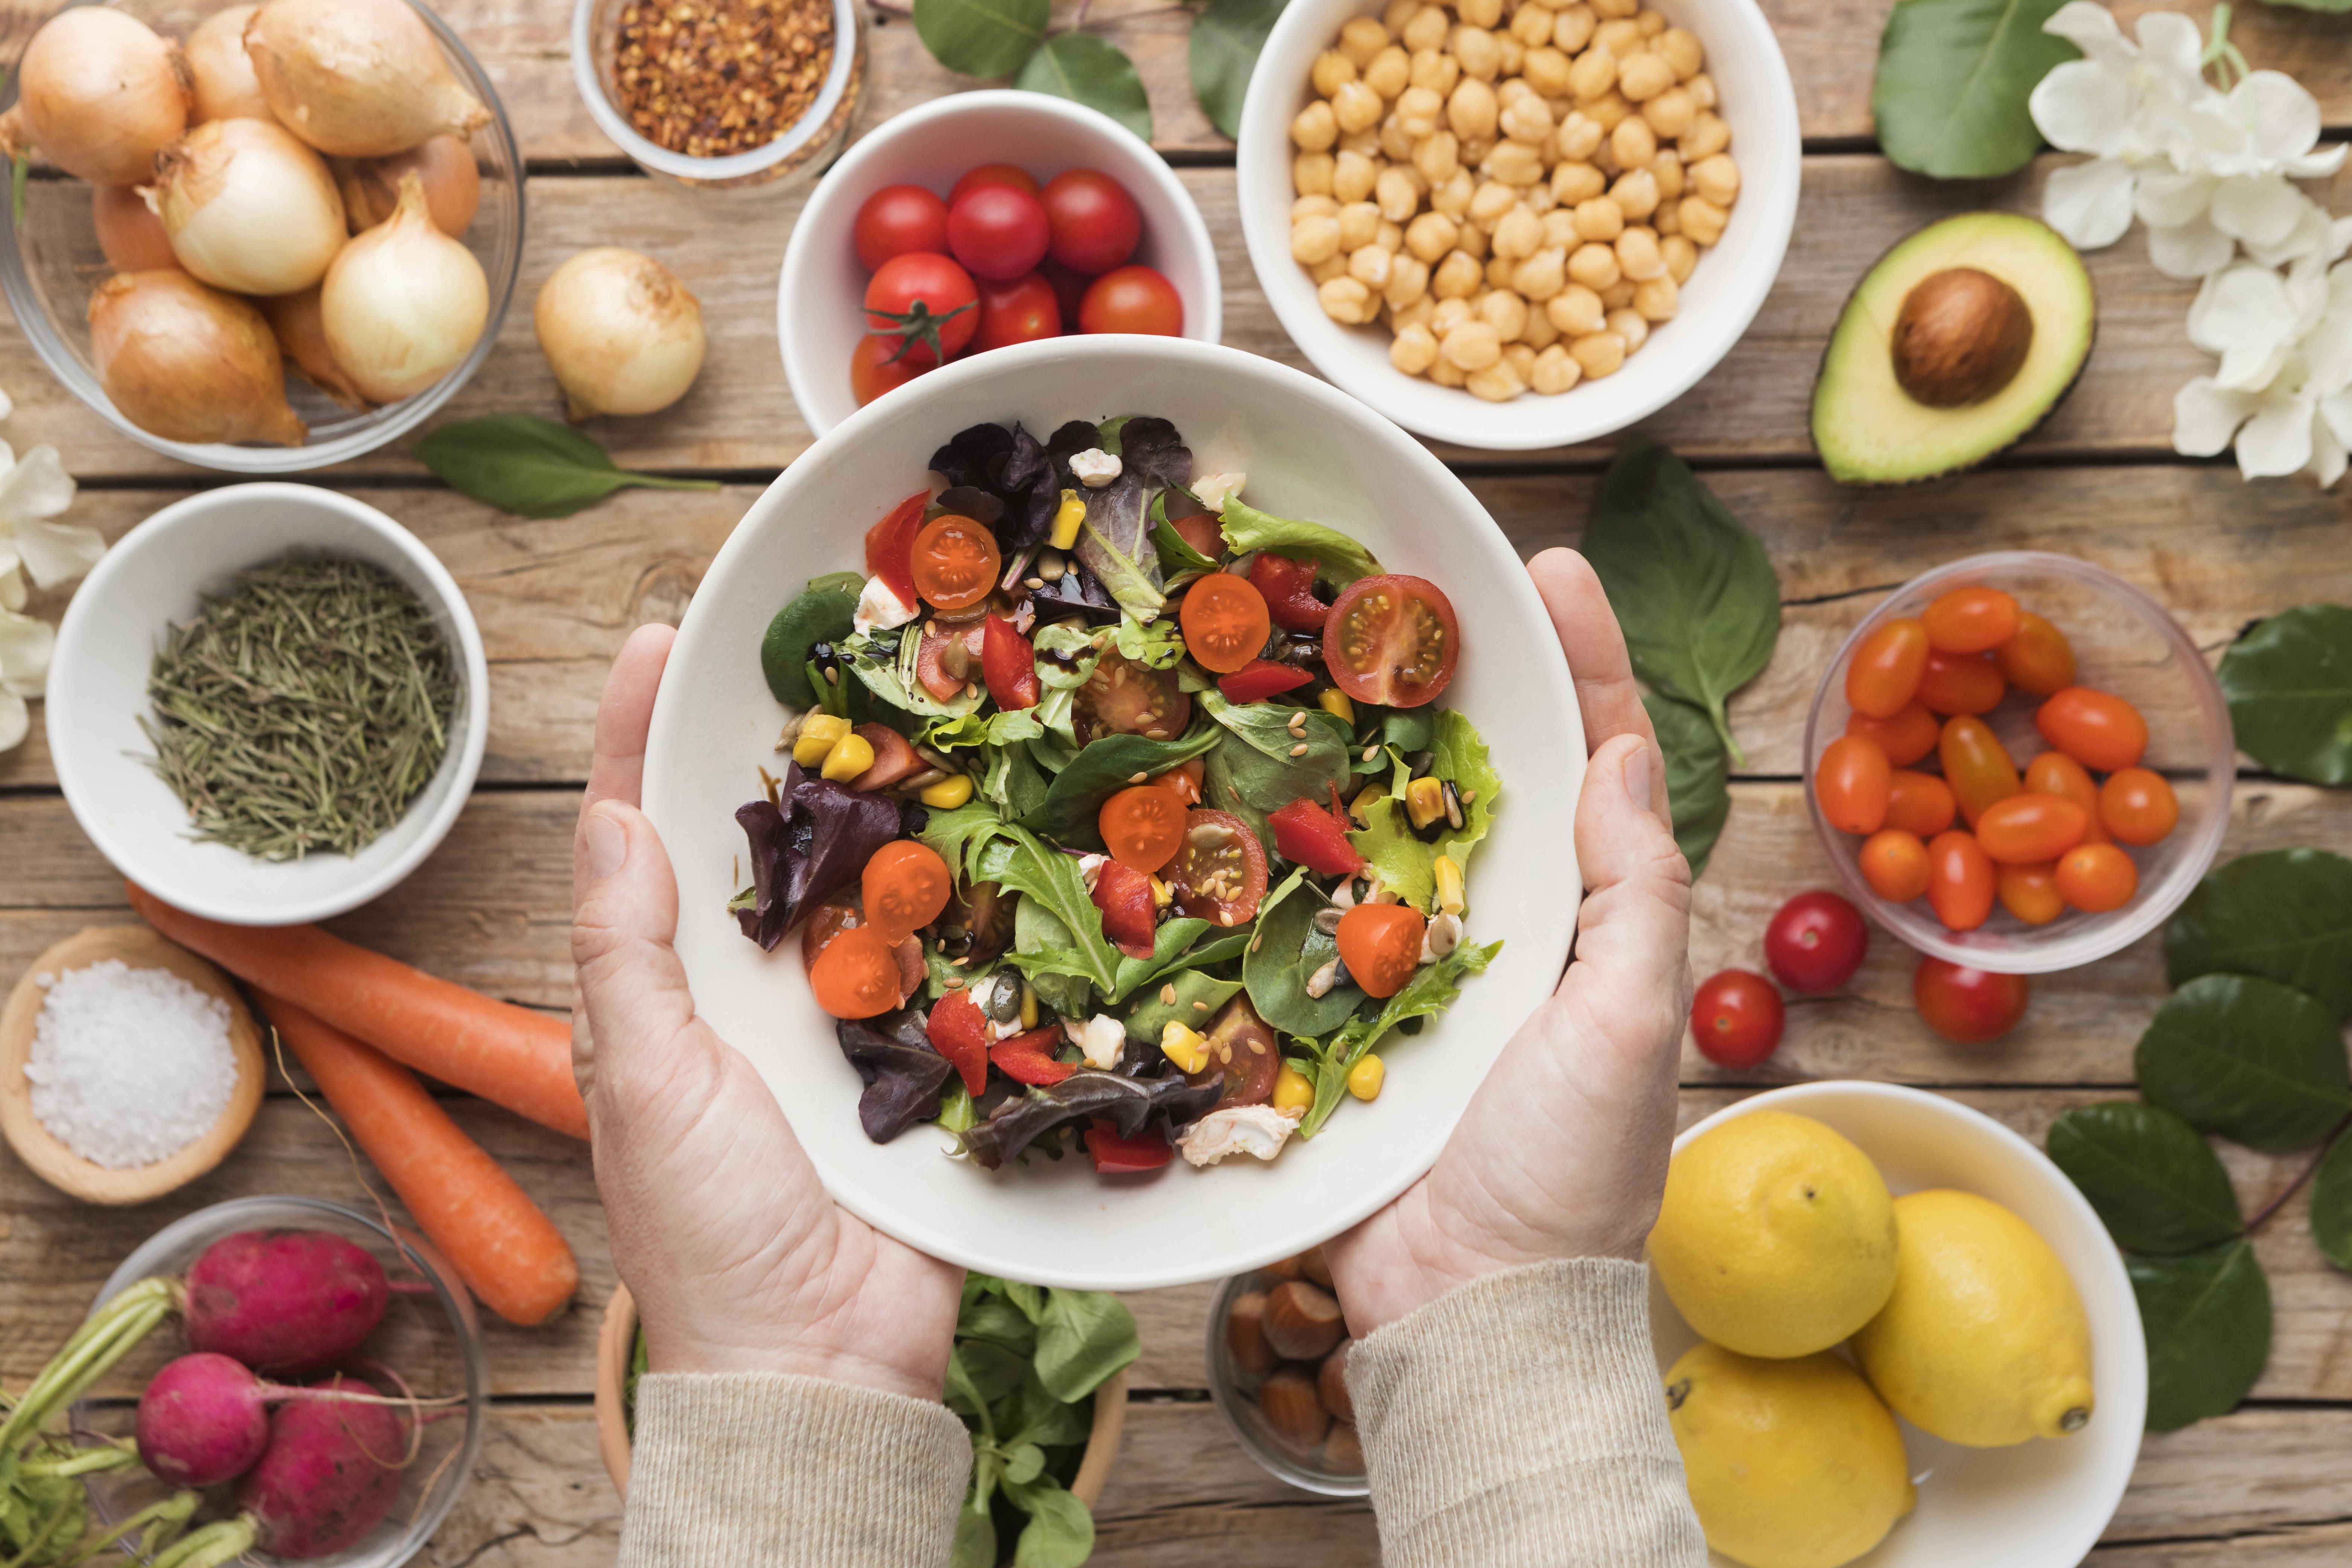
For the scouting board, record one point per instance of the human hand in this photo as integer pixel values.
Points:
(1562, 1152)
(738, 1258)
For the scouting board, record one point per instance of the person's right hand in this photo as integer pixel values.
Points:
(1562, 1152)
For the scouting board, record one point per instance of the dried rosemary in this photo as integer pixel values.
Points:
(302, 709)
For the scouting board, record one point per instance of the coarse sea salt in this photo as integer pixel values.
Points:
(128, 1065)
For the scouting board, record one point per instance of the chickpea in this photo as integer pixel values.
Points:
(1416, 314)
(1505, 311)
(1555, 372)
(1347, 301)
(1396, 143)
(1472, 345)
(1670, 113)
(1599, 219)
(1448, 315)
(1332, 266)
(1332, 71)
(1680, 47)
(1637, 254)
(1644, 77)
(1632, 326)
(1527, 120)
(1537, 199)
(1445, 373)
(1397, 193)
(1480, 54)
(1313, 206)
(1514, 55)
(1573, 181)
(1542, 275)
(1594, 265)
(1427, 30)
(1417, 111)
(1493, 199)
(1310, 174)
(1457, 276)
(1474, 149)
(1439, 155)
(1315, 127)
(1366, 142)
(1397, 13)
(1608, 112)
(1620, 37)
(1702, 90)
(1702, 220)
(1519, 235)
(1651, 23)
(1368, 265)
(1531, 25)
(1594, 73)
(1471, 242)
(1667, 168)
(1390, 73)
(1438, 73)
(1599, 354)
(1547, 72)
(1472, 112)
(1608, 10)
(1571, 28)
(1358, 221)
(1314, 239)
(1362, 38)
(1657, 298)
(1498, 382)
(1408, 281)
(1539, 334)
(1575, 311)
(1682, 257)
(1357, 108)
(1390, 237)
(1452, 194)
(1717, 179)
(1498, 272)
(1414, 350)
(1636, 195)
(1633, 144)
(1618, 295)
(1708, 136)
(1521, 357)
(1352, 177)
(1514, 164)
(1480, 12)
(1667, 219)
(1560, 229)
(1431, 236)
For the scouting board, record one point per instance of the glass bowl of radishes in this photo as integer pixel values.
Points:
(319, 1381)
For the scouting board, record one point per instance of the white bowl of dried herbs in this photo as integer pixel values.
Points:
(268, 704)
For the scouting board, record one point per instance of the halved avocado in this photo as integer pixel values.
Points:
(1953, 346)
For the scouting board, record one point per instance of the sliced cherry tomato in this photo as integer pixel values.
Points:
(1225, 622)
(904, 888)
(1894, 863)
(1976, 764)
(2037, 658)
(944, 655)
(959, 1031)
(1020, 310)
(890, 546)
(925, 305)
(1391, 640)
(1029, 1058)
(2031, 892)
(1219, 874)
(955, 561)
(1905, 738)
(1883, 674)
(1185, 779)
(1305, 834)
(2055, 772)
(1243, 1048)
(829, 920)
(1206, 535)
(1261, 679)
(2096, 877)
(1142, 825)
(1132, 300)
(857, 975)
(998, 232)
(1960, 879)
(1960, 683)
(1009, 665)
(982, 911)
(1970, 620)
(1012, 174)
(895, 759)
(1117, 1156)
(2027, 828)
(1853, 783)
(1919, 803)
(874, 371)
(1124, 698)
(1123, 894)
(1737, 1018)
(1288, 587)
(898, 219)
(2096, 729)
(1816, 942)
(1380, 945)
(1968, 1007)
(1095, 222)
(2137, 807)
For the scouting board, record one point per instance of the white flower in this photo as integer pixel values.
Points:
(31, 492)
(6, 405)
(2283, 394)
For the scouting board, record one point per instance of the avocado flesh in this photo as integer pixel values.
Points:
(1870, 431)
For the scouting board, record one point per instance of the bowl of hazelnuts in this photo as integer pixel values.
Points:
(1278, 1370)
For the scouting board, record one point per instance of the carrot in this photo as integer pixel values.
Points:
(509, 1254)
(508, 1055)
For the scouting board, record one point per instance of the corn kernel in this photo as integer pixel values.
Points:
(1186, 1048)
(1163, 895)
(850, 756)
(1364, 1080)
(1028, 1006)
(1066, 521)
(1449, 885)
(1360, 808)
(1335, 702)
(1293, 1090)
(948, 794)
(818, 733)
(1424, 800)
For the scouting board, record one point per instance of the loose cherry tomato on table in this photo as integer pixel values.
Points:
(1132, 300)
(1960, 683)
(904, 887)
(1853, 782)
(2137, 807)
(925, 303)
(959, 1031)
(1096, 223)
(955, 563)
(1968, 1007)
(1391, 640)
(896, 220)
(998, 232)
(1908, 736)
(890, 546)
(1261, 679)
(1919, 803)
(1129, 915)
(2037, 658)
(1816, 942)
(1736, 1018)
(1380, 945)
(1883, 674)
(2096, 877)
(1206, 535)
(857, 975)
(1224, 620)
(1142, 825)
(2096, 729)
(1960, 880)
(2027, 829)
(1012, 174)
(1975, 765)
(1895, 863)
(2031, 892)
(1020, 310)
(1970, 620)
(1009, 665)
(1219, 874)
(2055, 772)
(1306, 835)
(1124, 698)
(873, 370)
(1117, 1156)
(1289, 589)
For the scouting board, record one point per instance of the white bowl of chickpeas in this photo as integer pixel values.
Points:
(1516, 224)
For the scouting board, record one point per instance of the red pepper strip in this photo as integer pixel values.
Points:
(1306, 835)
(959, 1032)
(1009, 665)
(890, 546)
(1117, 1156)
(1029, 1058)
(1123, 894)
(1288, 587)
(1261, 679)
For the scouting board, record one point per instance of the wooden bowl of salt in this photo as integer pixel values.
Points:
(138, 948)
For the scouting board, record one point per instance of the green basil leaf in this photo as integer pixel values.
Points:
(1434, 988)
(2207, 1315)
(982, 37)
(975, 1538)
(1258, 746)
(1074, 800)
(2283, 915)
(532, 467)
(1284, 952)
(2158, 1186)
(1950, 99)
(1060, 1532)
(1698, 776)
(2248, 1059)
(1083, 1339)
(1093, 71)
(2331, 1204)
(819, 615)
(1147, 1017)
(1226, 37)
(1692, 588)
(1340, 559)
(1400, 861)
(2289, 682)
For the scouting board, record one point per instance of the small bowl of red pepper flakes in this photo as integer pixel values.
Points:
(722, 94)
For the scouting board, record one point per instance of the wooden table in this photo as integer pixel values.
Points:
(2267, 1484)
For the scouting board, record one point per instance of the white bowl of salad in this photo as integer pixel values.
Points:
(1136, 771)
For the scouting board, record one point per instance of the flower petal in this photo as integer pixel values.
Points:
(2327, 459)
(2320, 164)
(2338, 411)
(2259, 209)
(2276, 441)
(2190, 250)
(15, 720)
(2171, 196)
(12, 582)
(2205, 415)
(2091, 27)
(2242, 305)
(56, 553)
(7, 406)
(2089, 205)
(38, 487)
(2170, 50)
(26, 644)
(2280, 116)
(2081, 108)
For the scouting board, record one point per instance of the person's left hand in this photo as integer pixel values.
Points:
(739, 1260)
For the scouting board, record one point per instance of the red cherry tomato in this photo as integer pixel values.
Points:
(1012, 174)
(1142, 825)
(1306, 835)
(955, 563)
(1737, 1018)
(1885, 672)
(1815, 943)
(1960, 683)
(1919, 803)
(959, 1031)
(2055, 772)
(1910, 734)
(1968, 1007)
(2027, 829)
(1853, 783)
(1124, 698)
(1134, 299)
(890, 546)
(2031, 892)
(1225, 622)
(1261, 679)
(872, 371)
(2096, 877)
(1960, 880)
(857, 975)
(1392, 640)
(2037, 658)
(1380, 945)
(1095, 222)
(1894, 863)
(1970, 620)
(1976, 764)
(895, 220)
(1009, 665)
(925, 302)
(1289, 589)
(1206, 535)
(904, 888)
(1019, 311)
(2137, 807)
(1123, 894)
(998, 232)
(1117, 1156)
(1219, 874)
(2096, 729)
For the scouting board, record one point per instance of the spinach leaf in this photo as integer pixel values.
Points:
(1434, 988)
(2331, 1204)
(1045, 953)
(2248, 1059)
(1285, 950)
(1060, 1532)
(998, 1320)
(1195, 1000)
(1226, 37)
(1115, 544)
(1408, 730)
(988, 850)
(1393, 856)
(1698, 776)
(2207, 1315)
(982, 37)
(2289, 682)
(1950, 99)
(1090, 69)
(975, 1536)
(2158, 1186)
(818, 615)
(2283, 915)
(1084, 1337)
(1341, 559)
(1221, 791)
(1172, 950)
(991, 1371)
(1693, 589)
(529, 465)
(1105, 766)
(1260, 768)
(1459, 754)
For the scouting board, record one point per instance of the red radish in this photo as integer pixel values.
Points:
(284, 1301)
(203, 1420)
(329, 1475)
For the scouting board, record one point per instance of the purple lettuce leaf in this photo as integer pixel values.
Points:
(903, 1072)
(811, 842)
(1149, 448)
(1128, 1103)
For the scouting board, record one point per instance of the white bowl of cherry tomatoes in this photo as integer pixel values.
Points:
(978, 221)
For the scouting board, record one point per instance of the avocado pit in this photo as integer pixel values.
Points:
(1961, 336)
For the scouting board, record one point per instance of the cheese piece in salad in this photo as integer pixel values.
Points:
(1118, 814)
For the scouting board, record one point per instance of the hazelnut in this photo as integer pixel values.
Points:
(1960, 337)
(1245, 1337)
(1316, 1266)
(1283, 1268)
(1343, 1451)
(1296, 1416)
(1300, 1321)
(1331, 1382)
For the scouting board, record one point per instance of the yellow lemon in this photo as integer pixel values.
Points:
(1777, 1236)
(1792, 1463)
(1984, 1341)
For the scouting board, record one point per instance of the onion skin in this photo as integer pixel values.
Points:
(403, 303)
(357, 79)
(100, 94)
(301, 331)
(128, 231)
(188, 363)
(225, 87)
(621, 333)
(250, 208)
(453, 185)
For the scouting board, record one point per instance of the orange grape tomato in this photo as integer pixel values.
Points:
(1909, 735)
(857, 975)
(1853, 782)
(1970, 620)
(2137, 807)
(955, 561)
(2028, 828)
(1143, 826)
(2031, 892)
(1960, 683)
(1960, 879)
(1975, 765)
(2037, 658)
(1894, 863)
(1919, 803)
(1884, 671)
(1184, 778)
(904, 887)
(2097, 728)
(1225, 622)
(2055, 772)
(1380, 945)
(2096, 877)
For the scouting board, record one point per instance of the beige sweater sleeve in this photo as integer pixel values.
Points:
(1519, 1421)
(790, 1472)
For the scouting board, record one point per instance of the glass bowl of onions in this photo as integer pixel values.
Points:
(236, 253)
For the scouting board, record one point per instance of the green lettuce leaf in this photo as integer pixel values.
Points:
(1434, 988)
(1340, 559)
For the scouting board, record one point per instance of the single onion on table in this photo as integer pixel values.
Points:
(621, 333)
(302, 52)
(403, 303)
(188, 363)
(99, 93)
(248, 209)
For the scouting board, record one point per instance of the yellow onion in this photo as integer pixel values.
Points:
(404, 302)
(453, 185)
(301, 331)
(359, 79)
(227, 88)
(188, 363)
(248, 207)
(127, 230)
(620, 332)
(100, 94)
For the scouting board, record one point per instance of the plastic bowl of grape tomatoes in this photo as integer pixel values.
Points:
(1120, 793)
(976, 221)
(2019, 763)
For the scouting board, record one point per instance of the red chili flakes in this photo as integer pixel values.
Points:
(714, 77)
